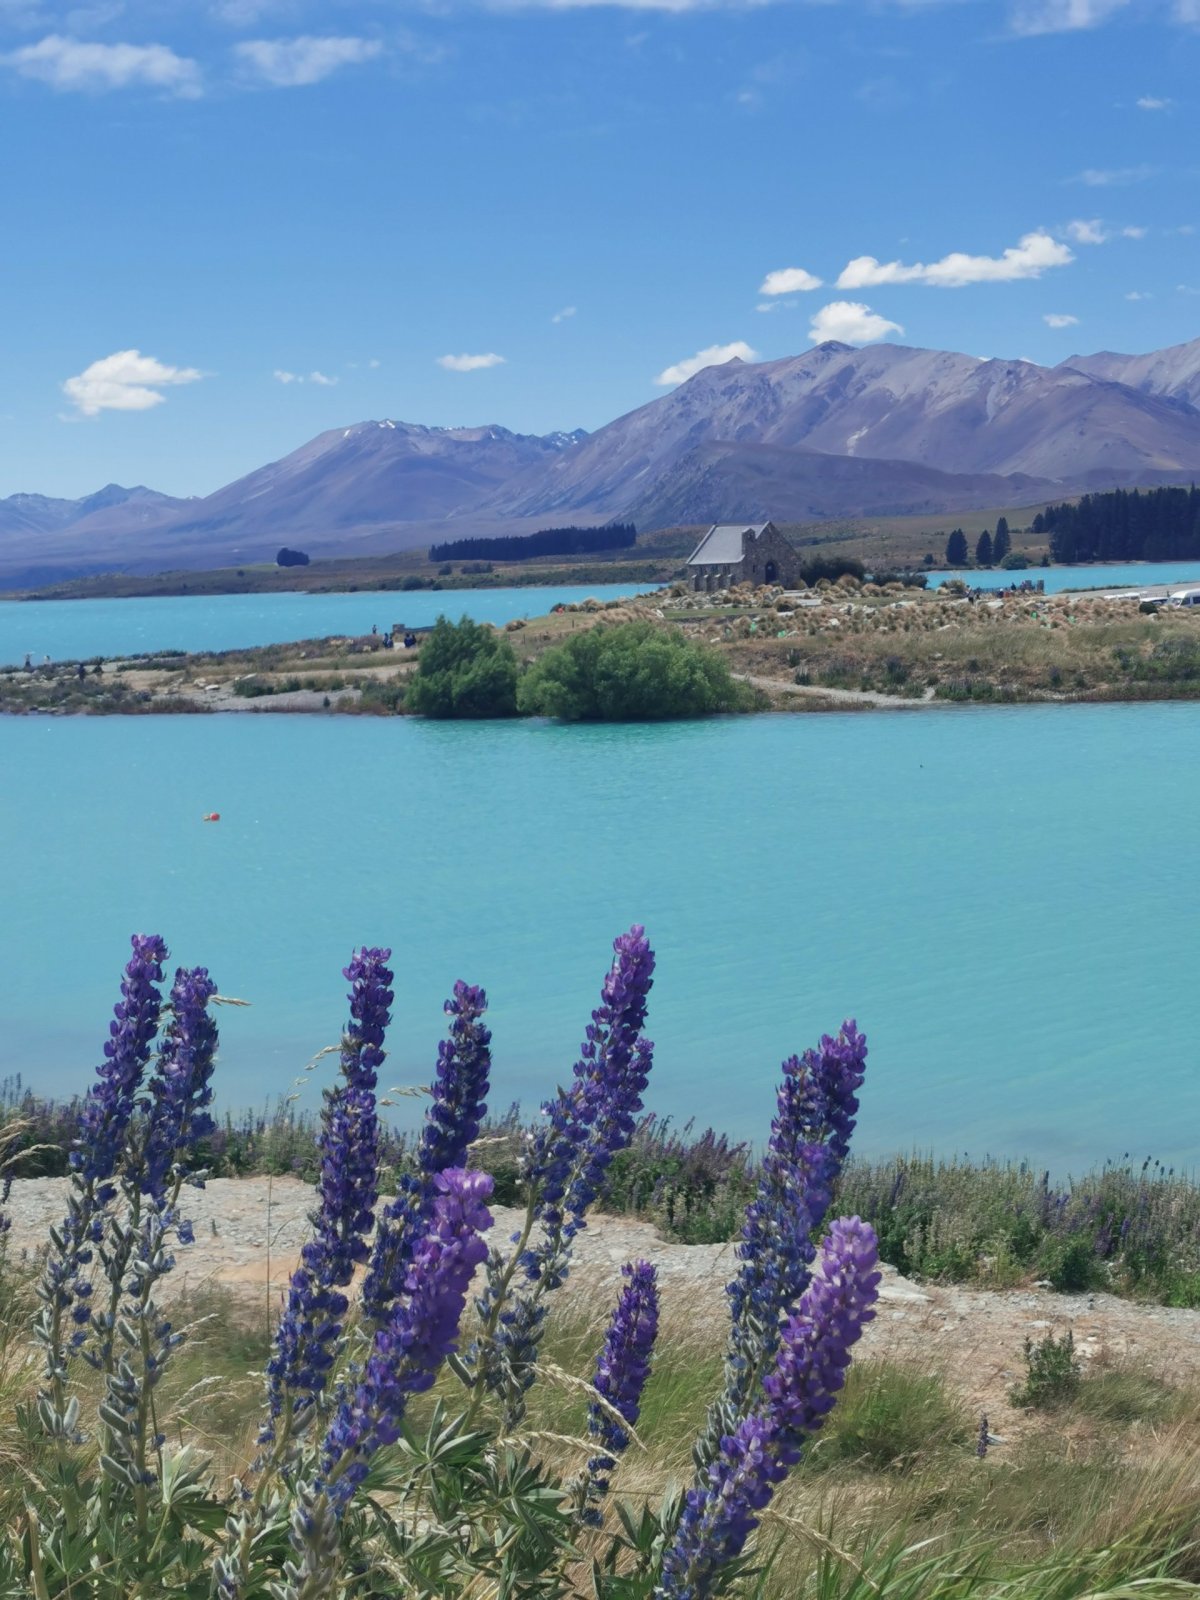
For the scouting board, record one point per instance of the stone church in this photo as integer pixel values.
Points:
(733, 552)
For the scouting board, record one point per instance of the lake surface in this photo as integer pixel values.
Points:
(73, 630)
(1001, 896)
(1127, 575)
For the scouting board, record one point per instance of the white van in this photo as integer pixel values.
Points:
(1185, 597)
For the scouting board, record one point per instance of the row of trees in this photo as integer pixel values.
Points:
(990, 549)
(1124, 525)
(546, 542)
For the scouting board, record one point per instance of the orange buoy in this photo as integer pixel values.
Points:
(212, 816)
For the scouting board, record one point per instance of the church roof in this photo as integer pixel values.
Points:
(722, 544)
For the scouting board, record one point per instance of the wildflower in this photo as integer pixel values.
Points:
(305, 1341)
(810, 1137)
(110, 1102)
(451, 1126)
(420, 1333)
(596, 1117)
(622, 1368)
(181, 1088)
(810, 1369)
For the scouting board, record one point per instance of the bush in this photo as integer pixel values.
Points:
(832, 568)
(1014, 562)
(465, 669)
(633, 672)
(291, 558)
(889, 1418)
(1052, 1374)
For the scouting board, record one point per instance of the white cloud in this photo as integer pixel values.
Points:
(850, 322)
(561, 316)
(321, 380)
(125, 381)
(241, 13)
(1134, 233)
(1060, 319)
(374, 362)
(789, 280)
(1028, 259)
(294, 63)
(1138, 294)
(67, 63)
(470, 363)
(715, 355)
(287, 377)
(1084, 232)
(1113, 177)
(1062, 16)
(1154, 102)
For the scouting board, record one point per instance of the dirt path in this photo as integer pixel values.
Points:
(849, 697)
(249, 1232)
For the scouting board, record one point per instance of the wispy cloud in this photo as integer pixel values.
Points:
(1028, 259)
(1113, 177)
(66, 63)
(1062, 16)
(470, 363)
(124, 381)
(714, 355)
(1134, 233)
(1060, 319)
(321, 379)
(295, 63)
(1139, 294)
(850, 322)
(1087, 232)
(789, 280)
(1154, 102)
(564, 314)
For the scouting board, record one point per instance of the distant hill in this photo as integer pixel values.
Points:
(831, 433)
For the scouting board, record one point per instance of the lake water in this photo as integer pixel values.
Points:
(1001, 896)
(73, 630)
(1132, 575)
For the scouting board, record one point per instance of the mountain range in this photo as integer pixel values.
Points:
(834, 432)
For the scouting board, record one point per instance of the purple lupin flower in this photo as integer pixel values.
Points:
(622, 1368)
(181, 1089)
(451, 1126)
(110, 1101)
(588, 1123)
(797, 1396)
(817, 1103)
(420, 1333)
(305, 1341)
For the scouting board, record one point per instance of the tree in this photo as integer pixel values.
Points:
(633, 672)
(1002, 543)
(291, 558)
(983, 550)
(956, 549)
(465, 669)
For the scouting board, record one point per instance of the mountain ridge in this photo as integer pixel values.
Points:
(831, 432)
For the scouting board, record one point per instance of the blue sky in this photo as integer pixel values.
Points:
(358, 195)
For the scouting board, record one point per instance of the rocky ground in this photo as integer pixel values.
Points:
(249, 1231)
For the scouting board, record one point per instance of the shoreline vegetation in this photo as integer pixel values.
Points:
(1125, 1228)
(842, 644)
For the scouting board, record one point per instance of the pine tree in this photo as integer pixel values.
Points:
(1002, 543)
(983, 550)
(956, 549)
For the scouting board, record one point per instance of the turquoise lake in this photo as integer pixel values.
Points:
(74, 630)
(1125, 575)
(1000, 896)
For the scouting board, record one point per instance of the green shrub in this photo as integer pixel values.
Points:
(1014, 562)
(465, 669)
(1052, 1374)
(633, 672)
